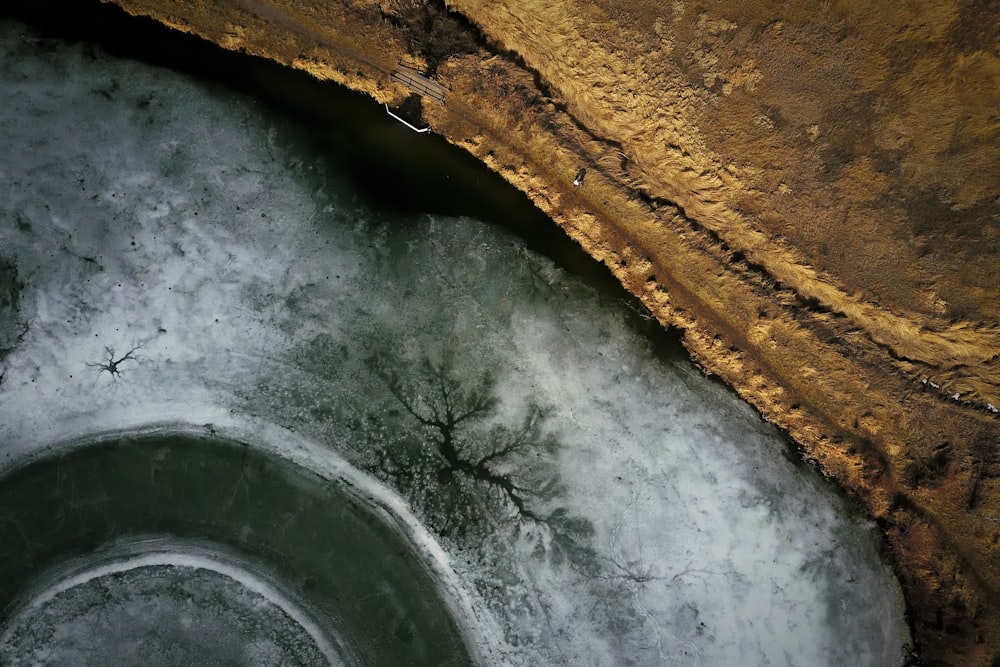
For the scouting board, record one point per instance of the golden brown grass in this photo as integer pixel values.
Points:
(319, 38)
(629, 97)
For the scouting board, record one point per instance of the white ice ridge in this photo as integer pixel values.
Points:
(167, 552)
(62, 436)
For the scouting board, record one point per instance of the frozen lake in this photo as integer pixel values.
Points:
(184, 278)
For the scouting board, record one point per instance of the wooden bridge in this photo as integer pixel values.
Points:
(419, 83)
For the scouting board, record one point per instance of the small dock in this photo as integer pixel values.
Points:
(420, 84)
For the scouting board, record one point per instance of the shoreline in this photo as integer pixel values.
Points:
(838, 394)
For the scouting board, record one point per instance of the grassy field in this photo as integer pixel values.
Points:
(810, 191)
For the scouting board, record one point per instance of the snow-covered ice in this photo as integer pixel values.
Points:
(182, 258)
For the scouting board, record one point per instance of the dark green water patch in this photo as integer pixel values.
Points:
(361, 578)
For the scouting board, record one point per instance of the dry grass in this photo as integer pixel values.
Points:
(319, 38)
(629, 97)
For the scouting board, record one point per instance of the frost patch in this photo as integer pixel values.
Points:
(12, 328)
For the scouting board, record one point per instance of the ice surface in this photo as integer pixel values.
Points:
(163, 609)
(598, 504)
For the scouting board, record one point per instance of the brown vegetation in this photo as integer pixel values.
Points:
(809, 190)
